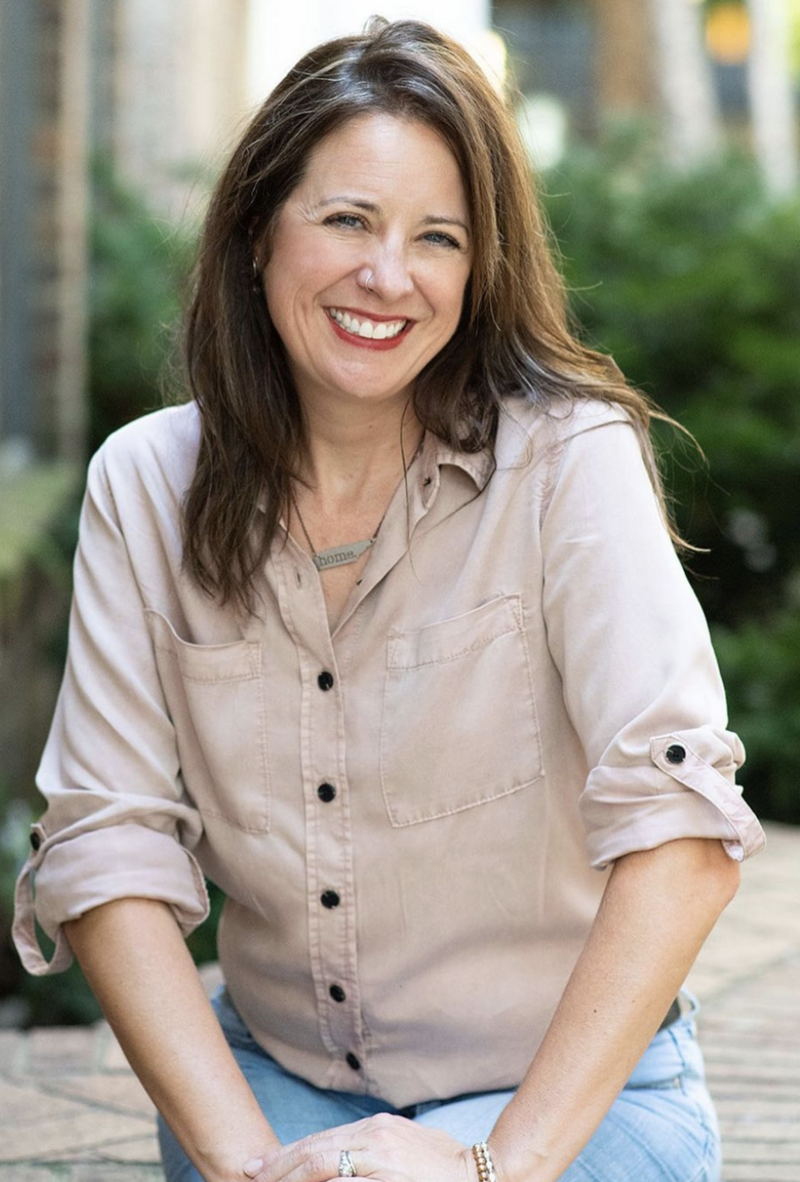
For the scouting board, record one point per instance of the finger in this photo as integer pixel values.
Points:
(313, 1164)
(312, 1159)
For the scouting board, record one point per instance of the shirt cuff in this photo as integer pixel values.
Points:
(680, 793)
(117, 862)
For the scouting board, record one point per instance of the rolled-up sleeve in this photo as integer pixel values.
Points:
(641, 682)
(118, 822)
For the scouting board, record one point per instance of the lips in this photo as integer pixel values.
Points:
(367, 328)
(362, 331)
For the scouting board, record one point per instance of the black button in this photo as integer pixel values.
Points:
(36, 840)
(676, 753)
(325, 680)
(353, 1062)
(326, 792)
(330, 899)
(337, 993)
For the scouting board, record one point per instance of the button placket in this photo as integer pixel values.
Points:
(330, 872)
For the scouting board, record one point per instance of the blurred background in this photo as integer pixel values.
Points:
(664, 137)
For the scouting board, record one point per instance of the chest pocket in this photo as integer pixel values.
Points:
(215, 695)
(459, 724)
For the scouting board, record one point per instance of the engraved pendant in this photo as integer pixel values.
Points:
(340, 555)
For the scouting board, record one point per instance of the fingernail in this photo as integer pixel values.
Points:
(253, 1166)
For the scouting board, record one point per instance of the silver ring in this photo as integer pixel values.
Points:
(346, 1167)
(367, 287)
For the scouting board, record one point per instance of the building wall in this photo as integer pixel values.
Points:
(178, 92)
(44, 203)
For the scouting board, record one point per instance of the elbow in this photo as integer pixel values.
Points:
(697, 872)
(716, 876)
(728, 877)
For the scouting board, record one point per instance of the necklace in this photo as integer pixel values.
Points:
(335, 555)
(349, 552)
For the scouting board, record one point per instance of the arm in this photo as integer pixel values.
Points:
(657, 910)
(632, 649)
(135, 959)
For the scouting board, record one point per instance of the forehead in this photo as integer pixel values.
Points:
(373, 149)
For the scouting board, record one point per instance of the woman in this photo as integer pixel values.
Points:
(385, 633)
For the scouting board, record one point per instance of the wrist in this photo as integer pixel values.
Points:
(222, 1163)
(512, 1162)
(484, 1162)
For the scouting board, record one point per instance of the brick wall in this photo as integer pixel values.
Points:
(43, 200)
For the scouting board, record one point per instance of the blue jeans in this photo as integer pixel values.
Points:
(661, 1128)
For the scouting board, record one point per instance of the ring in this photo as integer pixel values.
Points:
(367, 285)
(346, 1167)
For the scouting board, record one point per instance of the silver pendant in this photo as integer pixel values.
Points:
(340, 555)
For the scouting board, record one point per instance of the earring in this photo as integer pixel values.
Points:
(255, 284)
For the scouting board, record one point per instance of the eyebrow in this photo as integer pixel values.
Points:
(370, 207)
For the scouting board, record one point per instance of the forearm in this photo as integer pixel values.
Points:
(135, 960)
(657, 910)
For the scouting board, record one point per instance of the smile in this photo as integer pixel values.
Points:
(370, 330)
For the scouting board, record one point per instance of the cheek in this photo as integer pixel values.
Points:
(451, 297)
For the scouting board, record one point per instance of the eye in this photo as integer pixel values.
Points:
(439, 238)
(347, 221)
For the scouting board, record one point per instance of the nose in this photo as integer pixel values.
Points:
(387, 272)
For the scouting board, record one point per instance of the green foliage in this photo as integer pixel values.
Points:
(762, 667)
(203, 940)
(138, 275)
(139, 268)
(692, 282)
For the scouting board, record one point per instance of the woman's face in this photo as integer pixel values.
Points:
(382, 205)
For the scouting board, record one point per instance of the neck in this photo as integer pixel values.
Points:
(345, 455)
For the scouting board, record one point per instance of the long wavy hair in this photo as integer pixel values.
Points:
(513, 338)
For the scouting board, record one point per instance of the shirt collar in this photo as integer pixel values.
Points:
(436, 454)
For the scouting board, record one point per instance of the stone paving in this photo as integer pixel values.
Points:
(71, 1110)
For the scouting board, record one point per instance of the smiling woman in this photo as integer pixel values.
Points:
(386, 634)
(381, 269)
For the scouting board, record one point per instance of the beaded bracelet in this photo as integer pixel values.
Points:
(483, 1160)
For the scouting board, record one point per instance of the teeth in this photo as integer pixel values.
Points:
(382, 331)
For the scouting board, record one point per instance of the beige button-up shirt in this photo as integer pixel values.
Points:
(410, 816)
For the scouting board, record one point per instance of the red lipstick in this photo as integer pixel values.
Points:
(370, 342)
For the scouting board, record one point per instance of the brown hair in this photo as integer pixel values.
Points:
(513, 337)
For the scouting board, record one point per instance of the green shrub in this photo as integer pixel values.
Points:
(762, 670)
(692, 282)
(138, 275)
(139, 270)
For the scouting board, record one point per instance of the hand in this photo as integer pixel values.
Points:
(383, 1148)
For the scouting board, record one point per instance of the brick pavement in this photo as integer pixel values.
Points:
(71, 1110)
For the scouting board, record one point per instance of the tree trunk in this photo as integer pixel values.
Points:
(624, 57)
(684, 74)
(772, 95)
